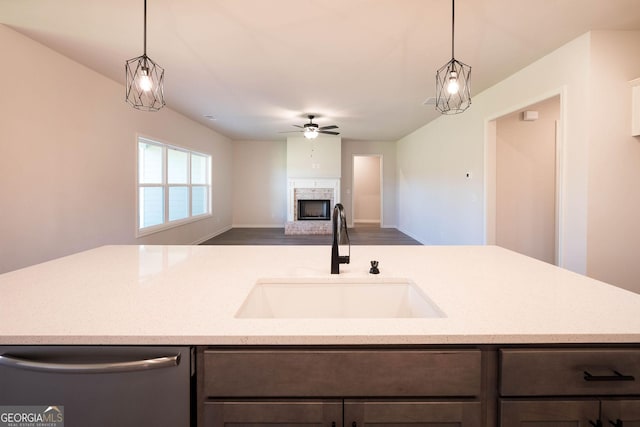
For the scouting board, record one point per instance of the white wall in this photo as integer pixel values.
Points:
(260, 170)
(385, 149)
(67, 158)
(314, 158)
(259, 183)
(614, 161)
(439, 205)
(600, 232)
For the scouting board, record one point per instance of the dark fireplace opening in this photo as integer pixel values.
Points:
(313, 210)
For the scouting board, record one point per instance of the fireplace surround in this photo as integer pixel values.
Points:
(321, 194)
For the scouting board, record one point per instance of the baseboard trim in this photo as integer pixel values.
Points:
(212, 235)
(257, 226)
(412, 236)
(350, 225)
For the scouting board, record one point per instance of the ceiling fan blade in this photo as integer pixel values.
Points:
(328, 132)
(298, 126)
(291, 131)
(328, 127)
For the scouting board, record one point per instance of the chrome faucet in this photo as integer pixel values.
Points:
(340, 237)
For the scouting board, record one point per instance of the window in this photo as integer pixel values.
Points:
(174, 186)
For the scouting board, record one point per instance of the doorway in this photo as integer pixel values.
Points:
(367, 190)
(526, 180)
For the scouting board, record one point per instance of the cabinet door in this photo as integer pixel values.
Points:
(549, 413)
(414, 413)
(621, 413)
(282, 413)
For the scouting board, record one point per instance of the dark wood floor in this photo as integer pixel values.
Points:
(358, 235)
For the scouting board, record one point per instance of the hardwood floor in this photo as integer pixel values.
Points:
(358, 235)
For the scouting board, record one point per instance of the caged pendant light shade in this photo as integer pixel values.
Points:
(453, 80)
(144, 79)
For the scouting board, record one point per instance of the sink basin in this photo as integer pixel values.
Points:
(337, 298)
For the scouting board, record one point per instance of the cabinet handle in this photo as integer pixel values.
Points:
(617, 377)
(617, 423)
(333, 424)
(598, 423)
(354, 424)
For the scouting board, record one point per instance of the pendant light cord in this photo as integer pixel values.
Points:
(453, 23)
(145, 27)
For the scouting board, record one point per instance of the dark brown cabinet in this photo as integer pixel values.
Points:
(484, 386)
(546, 413)
(620, 412)
(331, 413)
(299, 412)
(340, 372)
(336, 387)
(596, 387)
(364, 413)
(569, 372)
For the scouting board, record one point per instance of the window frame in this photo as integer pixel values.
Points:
(165, 185)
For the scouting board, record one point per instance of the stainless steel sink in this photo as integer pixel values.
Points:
(337, 298)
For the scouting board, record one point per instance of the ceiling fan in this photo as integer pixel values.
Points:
(311, 130)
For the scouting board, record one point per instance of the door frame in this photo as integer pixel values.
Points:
(353, 180)
(490, 171)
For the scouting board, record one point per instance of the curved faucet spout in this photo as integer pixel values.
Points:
(340, 238)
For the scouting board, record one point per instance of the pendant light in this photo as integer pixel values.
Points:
(453, 80)
(144, 79)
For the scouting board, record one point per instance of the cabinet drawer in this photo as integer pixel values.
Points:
(557, 412)
(314, 373)
(412, 413)
(262, 412)
(586, 372)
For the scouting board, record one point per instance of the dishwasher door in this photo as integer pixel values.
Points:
(95, 386)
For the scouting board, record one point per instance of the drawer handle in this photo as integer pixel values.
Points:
(617, 377)
(598, 423)
(617, 423)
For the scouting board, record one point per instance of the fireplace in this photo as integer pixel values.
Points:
(309, 205)
(314, 210)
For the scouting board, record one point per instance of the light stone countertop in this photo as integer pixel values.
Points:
(188, 295)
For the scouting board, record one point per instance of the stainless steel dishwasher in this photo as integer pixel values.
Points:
(95, 386)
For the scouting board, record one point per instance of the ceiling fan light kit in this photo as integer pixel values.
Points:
(453, 80)
(312, 130)
(144, 79)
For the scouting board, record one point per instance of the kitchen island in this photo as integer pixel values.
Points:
(189, 295)
(516, 341)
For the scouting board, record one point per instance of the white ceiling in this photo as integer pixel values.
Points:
(259, 66)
